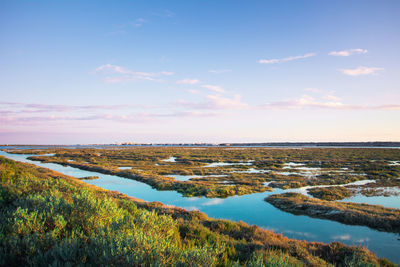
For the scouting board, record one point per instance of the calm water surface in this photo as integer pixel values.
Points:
(248, 208)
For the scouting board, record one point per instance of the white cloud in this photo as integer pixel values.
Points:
(188, 81)
(215, 88)
(219, 71)
(115, 73)
(361, 71)
(286, 59)
(349, 52)
(219, 101)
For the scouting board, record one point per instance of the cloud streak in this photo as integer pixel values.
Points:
(138, 22)
(349, 52)
(219, 71)
(286, 59)
(215, 102)
(188, 81)
(214, 88)
(143, 117)
(14, 107)
(361, 71)
(115, 74)
(328, 102)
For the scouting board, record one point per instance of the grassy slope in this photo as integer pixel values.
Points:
(49, 218)
(374, 216)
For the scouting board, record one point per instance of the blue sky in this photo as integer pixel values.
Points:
(199, 71)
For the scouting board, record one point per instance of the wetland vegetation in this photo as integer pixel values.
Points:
(330, 193)
(223, 172)
(326, 174)
(50, 218)
(373, 216)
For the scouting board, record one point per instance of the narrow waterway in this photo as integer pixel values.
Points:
(251, 209)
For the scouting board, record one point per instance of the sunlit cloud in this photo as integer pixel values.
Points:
(349, 52)
(115, 73)
(214, 88)
(286, 59)
(361, 71)
(188, 81)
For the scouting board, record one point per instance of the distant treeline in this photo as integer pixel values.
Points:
(270, 144)
(318, 144)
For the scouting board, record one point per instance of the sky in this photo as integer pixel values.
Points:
(84, 72)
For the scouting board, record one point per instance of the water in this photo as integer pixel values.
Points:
(294, 168)
(304, 190)
(392, 201)
(188, 177)
(218, 164)
(171, 159)
(248, 208)
(124, 168)
(252, 170)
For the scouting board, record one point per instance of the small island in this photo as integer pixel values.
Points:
(89, 178)
(373, 216)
